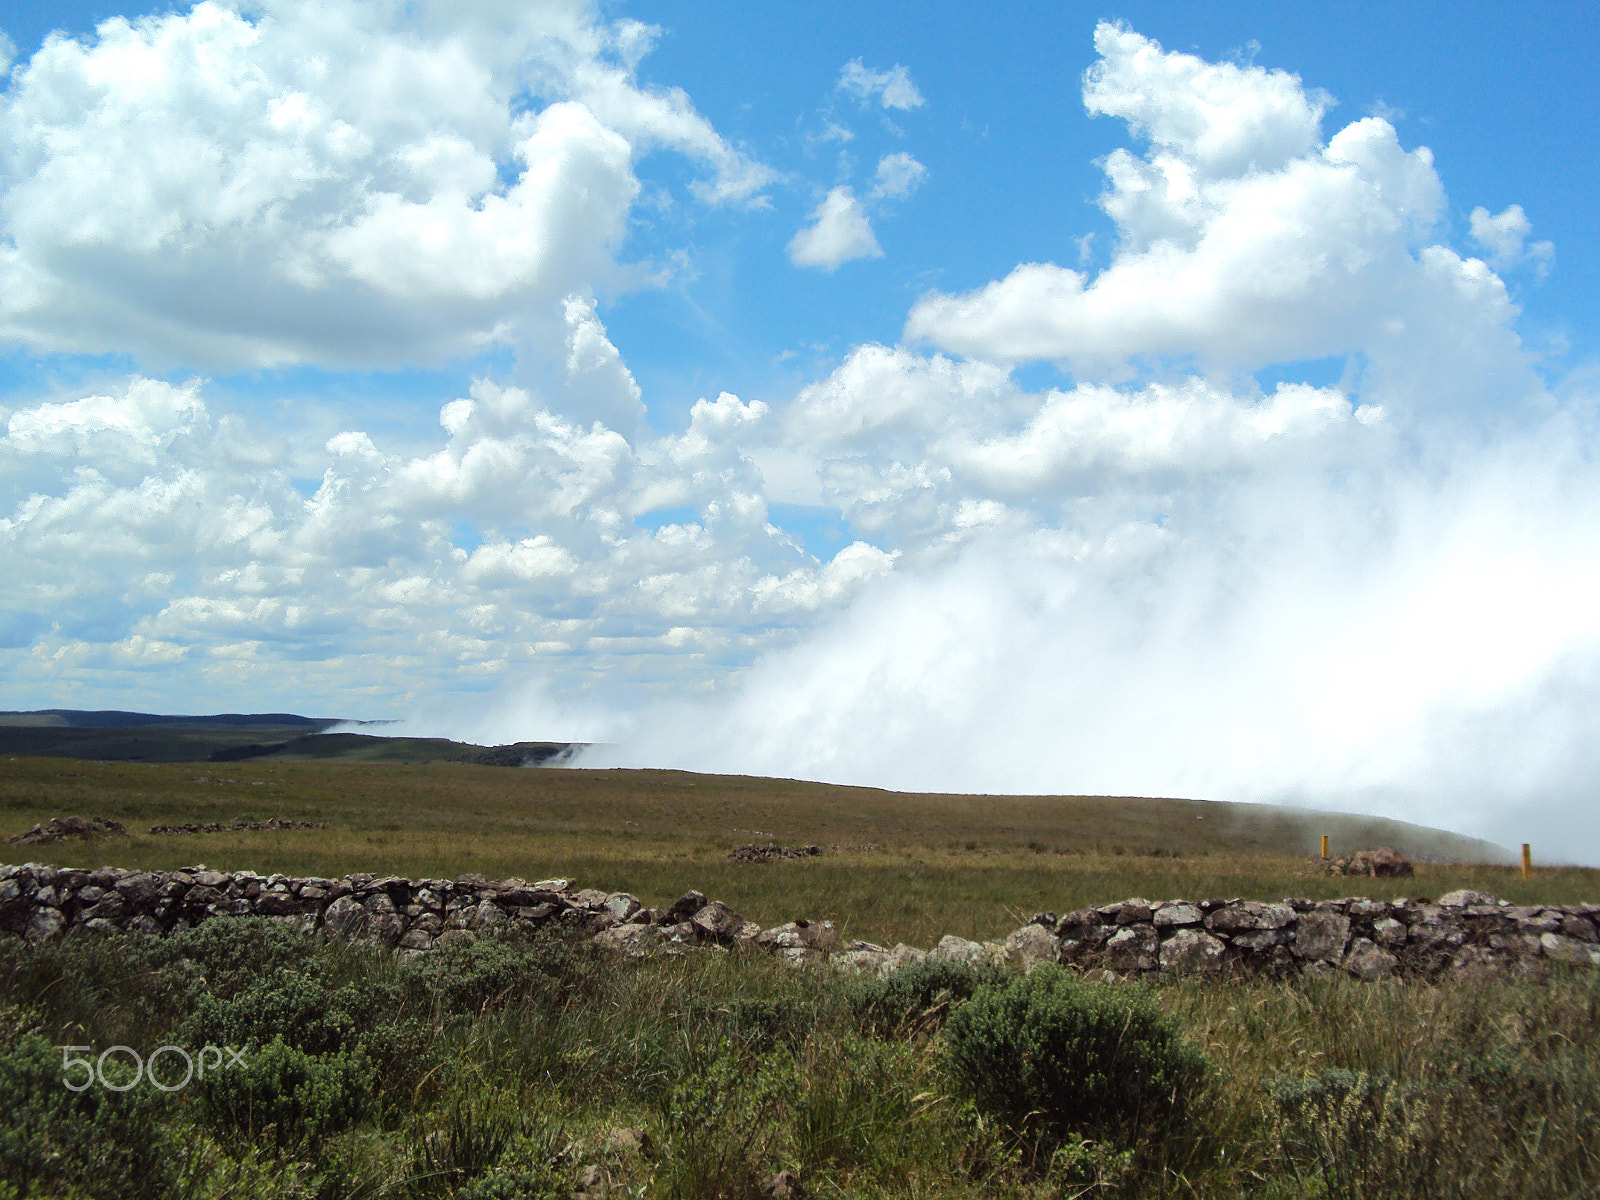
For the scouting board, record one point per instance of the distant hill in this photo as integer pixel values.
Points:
(73, 718)
(116, 736)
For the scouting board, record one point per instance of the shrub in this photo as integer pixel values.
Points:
(854, 1103)
(484, 972)
(719, 1122)
(488, 1152)
(919, 995)
(1050, 1053)
(298, 1097)
(1350, 1129)
(298, 1010)
(234, 952)
(97, 1142)
(109, 987)
(757, 1024)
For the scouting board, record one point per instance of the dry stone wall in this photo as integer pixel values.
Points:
(1463, 932)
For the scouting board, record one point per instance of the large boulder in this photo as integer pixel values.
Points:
(1384, 862)
(1247, 915)
(1191, 951)
(1178, 913)
(1466, 898)
(1569, 950)
(1030, 946)
(1369, 961)
(140, 888)
(717, 921)
(956, 949)
(635, 941)
(684, 907)
(1321, 936)
(1133, 948)
(341, 916)
(44, 924)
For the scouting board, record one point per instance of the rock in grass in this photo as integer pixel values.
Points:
(1030, 946)
(1369, 961)
(44, 924)
(1177, 913)
(785, 1185)
(717, 921)
(684, 907)
(1191, 952)
(955, 949)
(635, 941)
(1569, 950)
(1321, 936)
(1135, 948)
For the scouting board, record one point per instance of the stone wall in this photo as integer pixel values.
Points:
(1461, 932)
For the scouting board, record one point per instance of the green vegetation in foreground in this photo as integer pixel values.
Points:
(507, 1068)
(913, 867)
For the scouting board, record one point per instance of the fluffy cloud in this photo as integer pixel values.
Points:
(839, 232)
(892, 88)
(133, 427)
(442, 189)
(1245, 241)
(527, 534)
(898, 176)
(1505, 237)
(1169, 583)
(1399, 635)
(1218, 119)
(1159, 576)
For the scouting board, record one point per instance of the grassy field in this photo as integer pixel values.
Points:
(506, 1070)
(502, 1069)
(900, 867)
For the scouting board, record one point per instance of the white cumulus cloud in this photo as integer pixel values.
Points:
(1505, 237)
(342, 184)
(839, 232)
(1244, 240)
(898, 175)
(892, 88)
(1162, 575)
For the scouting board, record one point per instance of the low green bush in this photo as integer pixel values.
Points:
(917, 996)
(721, 1121)
(232, 953)
(759, 1024)
(297, 1098)
(1052, 1055)
(314, 1015)
(472, 976)
(301, 1011)
(95, 1143)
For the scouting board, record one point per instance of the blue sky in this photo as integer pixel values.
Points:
(1151, 399)
(1503, 96)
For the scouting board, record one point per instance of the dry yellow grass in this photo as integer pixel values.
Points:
(908, 867)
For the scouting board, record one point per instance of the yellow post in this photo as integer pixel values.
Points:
(1324, 845)
(1527, 861)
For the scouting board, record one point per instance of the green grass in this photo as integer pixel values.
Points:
(909, 867)
(503, 1069)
